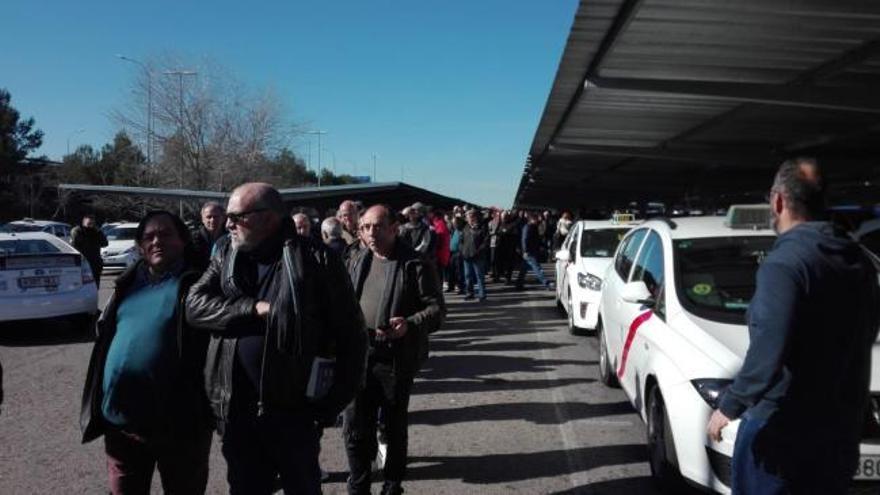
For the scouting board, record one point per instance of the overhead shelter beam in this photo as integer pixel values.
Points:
(703, 156)
(838, 99)
(624, 17)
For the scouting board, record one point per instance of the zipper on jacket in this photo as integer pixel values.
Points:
(260, 408)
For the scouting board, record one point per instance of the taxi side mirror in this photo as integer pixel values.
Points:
(562, 255)
(637, 292)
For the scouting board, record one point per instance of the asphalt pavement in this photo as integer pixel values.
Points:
(509, 402)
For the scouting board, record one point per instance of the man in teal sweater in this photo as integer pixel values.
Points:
(144, 388)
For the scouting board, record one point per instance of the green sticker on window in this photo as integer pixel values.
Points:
(702, 289)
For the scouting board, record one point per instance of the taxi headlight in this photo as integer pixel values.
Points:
(589, 281)
(711, 389)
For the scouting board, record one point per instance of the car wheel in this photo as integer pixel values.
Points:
(606, 374)
(661, 449)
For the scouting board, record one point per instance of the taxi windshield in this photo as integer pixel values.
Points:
(715, 277)
(600, 243)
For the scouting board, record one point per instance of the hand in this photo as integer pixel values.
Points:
(398, 327)
(716, 423)
(262, 308)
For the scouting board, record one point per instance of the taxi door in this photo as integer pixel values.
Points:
(562, 267)
(643, 321)
(614, 312)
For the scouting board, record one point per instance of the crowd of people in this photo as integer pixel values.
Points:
(265, 327)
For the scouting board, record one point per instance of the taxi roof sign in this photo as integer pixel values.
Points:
(753, 217)
(623, 218)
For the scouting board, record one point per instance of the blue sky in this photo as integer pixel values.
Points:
(449, 92)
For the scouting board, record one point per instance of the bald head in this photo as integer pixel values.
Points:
(261, 195)
(347, 214)
(378, 230)
(254, 213)
(800, 183)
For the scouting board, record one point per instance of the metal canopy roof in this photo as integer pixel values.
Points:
(395, 194)
(669, 99)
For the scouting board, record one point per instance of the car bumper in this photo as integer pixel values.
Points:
(707, 463)
(700, 460)
(83, 300)
(585, 307)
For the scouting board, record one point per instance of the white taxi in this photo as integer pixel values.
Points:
(580, 265)
(673, 335)
(41, 276)
(121, 250)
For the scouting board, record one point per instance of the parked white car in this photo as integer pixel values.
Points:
(121, 250)
(41, 276)
(58, 229)
(580, 265)
(673, 335)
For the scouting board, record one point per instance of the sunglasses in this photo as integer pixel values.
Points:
(238, 217)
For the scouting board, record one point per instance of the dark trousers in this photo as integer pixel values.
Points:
(389, 391)
(767, 465)
(259, 448)
(494, 253)
(453, 272)
(182, 464)
(97, 267)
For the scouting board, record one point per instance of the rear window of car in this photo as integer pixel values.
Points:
(715, 277)
(26, 246)
(121, 233)
(600, 243)
(23, 227)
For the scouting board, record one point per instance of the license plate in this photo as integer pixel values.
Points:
(869, 468)
(36, 282)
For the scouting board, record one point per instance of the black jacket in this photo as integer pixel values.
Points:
(414, 294)
(419, 237)
(89, 241)
(315, 314)
(202, 247)
(191, 404)
(474, 242)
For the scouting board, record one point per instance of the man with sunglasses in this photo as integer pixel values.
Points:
(274, 303)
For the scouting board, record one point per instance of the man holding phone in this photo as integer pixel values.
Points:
(401, 301)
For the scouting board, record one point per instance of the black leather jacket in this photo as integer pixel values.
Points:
(414, 294)
(191, 411)
(315, 314)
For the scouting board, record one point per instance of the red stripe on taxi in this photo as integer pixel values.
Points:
(630, 336)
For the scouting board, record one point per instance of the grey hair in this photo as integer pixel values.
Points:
(331, 227)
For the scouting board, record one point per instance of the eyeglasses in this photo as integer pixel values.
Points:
(238, 217)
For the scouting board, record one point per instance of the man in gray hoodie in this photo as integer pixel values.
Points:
(803, 390)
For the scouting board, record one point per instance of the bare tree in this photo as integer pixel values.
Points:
(208, 129)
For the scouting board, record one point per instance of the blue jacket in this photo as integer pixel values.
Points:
(812, 323)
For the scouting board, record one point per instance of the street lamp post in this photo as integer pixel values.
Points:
(374, 168)
(149, 74)
(319, 133)
(78, 131)
(180, 74)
